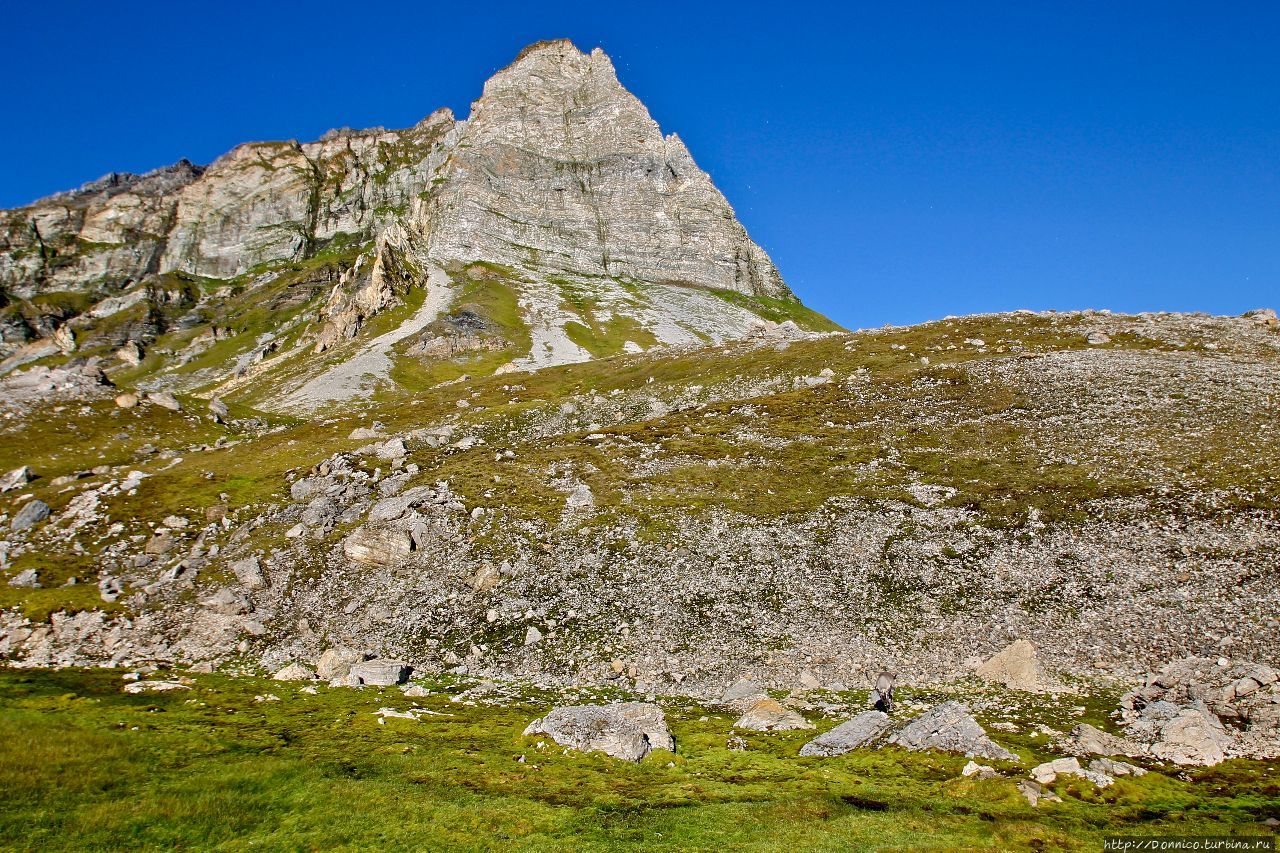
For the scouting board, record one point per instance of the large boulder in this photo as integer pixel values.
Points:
(950, 728)
(849, 735)
(767, 715)
(335, 663)
(626, 730)
(31, 513)
(380, 672)
(377, 546)
(1017, 667)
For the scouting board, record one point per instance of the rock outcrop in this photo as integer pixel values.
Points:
(1179, 713)
(559, 179)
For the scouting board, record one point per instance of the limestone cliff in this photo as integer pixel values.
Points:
(602, 231)
(561, 168)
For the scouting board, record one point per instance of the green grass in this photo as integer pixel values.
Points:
(781, 310)
(85, 766)
(486, 290)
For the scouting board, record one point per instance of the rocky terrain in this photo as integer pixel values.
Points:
(516, 398)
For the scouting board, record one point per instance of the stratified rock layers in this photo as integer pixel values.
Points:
(559, 170)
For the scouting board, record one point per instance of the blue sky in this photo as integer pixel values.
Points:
(900, 161)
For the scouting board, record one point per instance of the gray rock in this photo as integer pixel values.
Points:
(392, 449)
(32, 512)
(1193, 736)
(219, 409)
(380, 672)
(320, 511)
(164, 400)
(389, 509)
(950, 728)
(249, 572)
(295, 672)
(1085, 739)
(849, 735)
(1034, 792)
(981, 771)
(15, 479)
(26, 579)
(532, 636)
(1109, 767)
(626, 730)
(641, 213)
(742, 694)
(227, 602)
(307, 487)
(1047, 772)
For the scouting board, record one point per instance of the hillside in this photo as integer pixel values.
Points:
(910, 498)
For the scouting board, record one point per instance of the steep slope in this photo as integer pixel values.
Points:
(574, 229)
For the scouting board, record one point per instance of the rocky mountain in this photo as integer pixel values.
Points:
(518, 398)
(560, 225)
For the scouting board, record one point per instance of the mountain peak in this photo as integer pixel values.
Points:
(559, 193)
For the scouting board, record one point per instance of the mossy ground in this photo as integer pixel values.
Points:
(85, 766)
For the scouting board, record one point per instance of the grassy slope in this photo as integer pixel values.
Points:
(83, 765)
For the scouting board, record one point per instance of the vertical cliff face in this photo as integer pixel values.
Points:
(561, 168)
(589, 232)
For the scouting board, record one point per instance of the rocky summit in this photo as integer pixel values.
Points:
(510, 411)
(556, 224)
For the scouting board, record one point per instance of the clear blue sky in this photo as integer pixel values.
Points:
(900, 161)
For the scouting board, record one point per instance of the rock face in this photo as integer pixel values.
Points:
(627, 730)
(559, 178)
(558, 162)
(849, 735)
(950, 728)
